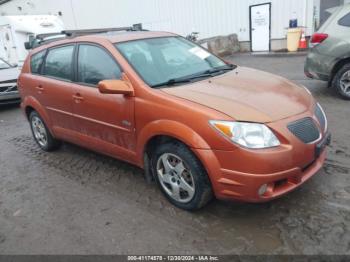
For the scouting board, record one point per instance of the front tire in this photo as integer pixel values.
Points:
(341, 82)
(181, 176)
(41, 133)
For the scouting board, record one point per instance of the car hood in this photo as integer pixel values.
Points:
(9, 74)
(247, 95)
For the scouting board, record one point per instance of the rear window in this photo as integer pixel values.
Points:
(345, 20)
(58, 62)
(36, 62)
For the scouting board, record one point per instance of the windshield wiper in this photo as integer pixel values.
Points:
(220, 69)
(181, 80)
(172, 82)
(187, 79)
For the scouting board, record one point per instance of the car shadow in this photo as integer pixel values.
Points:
(11, 106)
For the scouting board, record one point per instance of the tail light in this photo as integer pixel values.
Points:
(318, 38)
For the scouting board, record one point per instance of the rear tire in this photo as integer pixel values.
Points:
(181, 176)
(341, 82)
(41, 133)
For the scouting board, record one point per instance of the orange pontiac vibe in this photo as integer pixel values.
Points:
(199, 126)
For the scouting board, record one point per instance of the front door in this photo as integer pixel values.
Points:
(260, 20)
(105, 122)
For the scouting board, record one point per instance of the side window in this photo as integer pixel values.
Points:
(345, 20)
(36, 62)
(58, 62)
(95, 64)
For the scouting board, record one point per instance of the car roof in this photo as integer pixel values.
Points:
(116, 37)
(331, 24)
(113, 37)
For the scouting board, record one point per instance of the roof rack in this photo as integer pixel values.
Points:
(73, 33)
(50, 37)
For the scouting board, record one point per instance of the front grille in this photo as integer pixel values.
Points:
(4, 88)
(14, 88)
(8, 88)
(305, 129)
(8, 81)
(320, 117)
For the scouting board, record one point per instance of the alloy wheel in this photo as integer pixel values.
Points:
(175, 178)
(39, 131)
(345, 83)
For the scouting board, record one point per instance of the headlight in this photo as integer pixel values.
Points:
(250, 135)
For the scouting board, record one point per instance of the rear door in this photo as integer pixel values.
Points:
(54, 87)
(104, 121)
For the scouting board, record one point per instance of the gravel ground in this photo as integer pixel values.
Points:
(74, 201)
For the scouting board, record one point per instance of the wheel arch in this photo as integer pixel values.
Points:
(337, 67)
(28, 110)
(166, 130)
(32, 104)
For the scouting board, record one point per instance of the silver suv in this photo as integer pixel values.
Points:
(329, 57)
(8, 83)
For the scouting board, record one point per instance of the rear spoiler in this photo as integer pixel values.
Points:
(332, 10)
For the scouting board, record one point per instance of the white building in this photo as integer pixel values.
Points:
(209, 17)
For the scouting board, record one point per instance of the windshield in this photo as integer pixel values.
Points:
(4, 65)
(165, 60)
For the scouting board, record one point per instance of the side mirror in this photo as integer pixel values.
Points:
(28, 45)
(116, 87)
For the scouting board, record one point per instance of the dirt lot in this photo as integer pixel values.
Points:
(74, 201)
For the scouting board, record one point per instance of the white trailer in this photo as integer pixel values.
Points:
(15, 30)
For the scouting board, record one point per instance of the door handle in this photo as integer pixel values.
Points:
(78, 98)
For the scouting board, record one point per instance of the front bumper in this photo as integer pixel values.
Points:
(239, 174)
(234, 185)
(10, 98)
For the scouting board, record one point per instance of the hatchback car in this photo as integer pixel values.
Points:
(329, 57)
(200, 126)
(8, 84)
